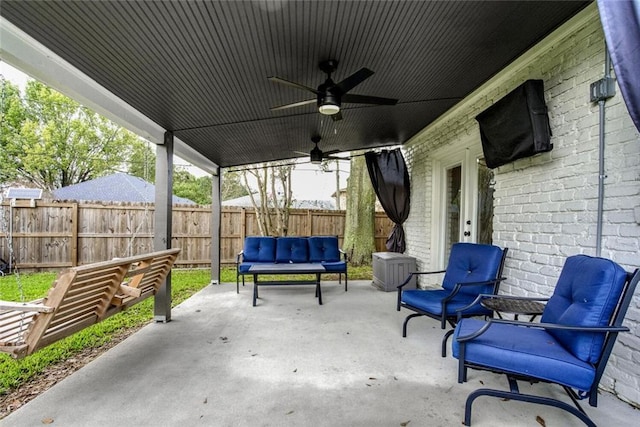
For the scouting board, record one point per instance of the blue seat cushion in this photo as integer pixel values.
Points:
(471, 262)
(430, 301)
(292, 249)
(527, 351)
(323, 248)
(586, 294)
(259, 249)
(335, 267)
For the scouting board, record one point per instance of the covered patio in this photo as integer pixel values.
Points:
(201, 78)
(287, 362)
(197, 79)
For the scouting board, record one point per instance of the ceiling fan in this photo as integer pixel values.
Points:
(330, 95)
(316, 155)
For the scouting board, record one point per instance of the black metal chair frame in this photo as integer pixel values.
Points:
(611, 331)
(444, 319)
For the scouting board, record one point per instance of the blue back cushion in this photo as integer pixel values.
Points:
(259, 249)
(471, 262)
(323, 248)
(292, 249)
(586, 294)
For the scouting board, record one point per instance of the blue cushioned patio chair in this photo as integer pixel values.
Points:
(473, 269)
(569, 347)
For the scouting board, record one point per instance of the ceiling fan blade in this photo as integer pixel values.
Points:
(354, 79)
(365, 99)
(337, 158)
(301, 152)
(336, 117)
(295, 104)
(292, 84)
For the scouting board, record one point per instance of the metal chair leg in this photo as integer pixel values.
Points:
(444, 341)
(404, 325)
(508, 395)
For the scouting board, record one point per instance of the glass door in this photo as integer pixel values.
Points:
(463, 202)
(453, 207)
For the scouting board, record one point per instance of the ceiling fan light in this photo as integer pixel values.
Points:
(329, 109)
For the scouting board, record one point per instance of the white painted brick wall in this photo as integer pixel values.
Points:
(546, 206)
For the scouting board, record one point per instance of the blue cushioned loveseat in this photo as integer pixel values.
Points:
(260, 250)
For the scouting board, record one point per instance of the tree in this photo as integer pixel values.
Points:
(359, 233)
(274, 196)
(231, 186)
(142, 161)
(59, 142)
(187, 185)
(12, 114)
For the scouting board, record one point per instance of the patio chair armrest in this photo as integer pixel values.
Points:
(488, 323)
(239, 256)
(459, 286)
(344, 255)
(408, 279)
(25, 306)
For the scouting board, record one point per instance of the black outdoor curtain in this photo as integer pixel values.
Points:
(390, 179)
(621, 24)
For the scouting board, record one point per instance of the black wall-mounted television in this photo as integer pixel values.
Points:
(516, 126)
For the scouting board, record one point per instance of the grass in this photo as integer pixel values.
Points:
(184, 283)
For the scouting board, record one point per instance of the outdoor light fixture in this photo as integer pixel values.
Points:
(329, 104)
(329, 109)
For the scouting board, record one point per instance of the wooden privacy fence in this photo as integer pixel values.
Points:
(52, 235)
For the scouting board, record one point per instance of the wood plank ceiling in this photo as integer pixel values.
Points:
(200, 68)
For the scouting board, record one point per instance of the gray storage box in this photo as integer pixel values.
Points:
(390, 269)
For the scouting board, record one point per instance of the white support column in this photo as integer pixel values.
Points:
(216, 220)
(163, 218)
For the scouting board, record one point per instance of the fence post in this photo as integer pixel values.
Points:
(74, 234)
(243, 225)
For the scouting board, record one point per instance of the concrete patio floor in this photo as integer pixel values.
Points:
(288, 362)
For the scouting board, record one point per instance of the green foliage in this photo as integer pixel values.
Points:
(12, 114)
(196, 189)
(142, 162)
(55, 142)
(231, 186)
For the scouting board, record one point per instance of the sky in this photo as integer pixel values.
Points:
(308, 181)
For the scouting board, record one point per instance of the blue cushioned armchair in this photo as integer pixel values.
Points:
(569, 347)
(473, 269)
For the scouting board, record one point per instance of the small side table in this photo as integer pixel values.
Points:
(513, 306)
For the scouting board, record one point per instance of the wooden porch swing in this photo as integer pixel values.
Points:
(81, 297)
